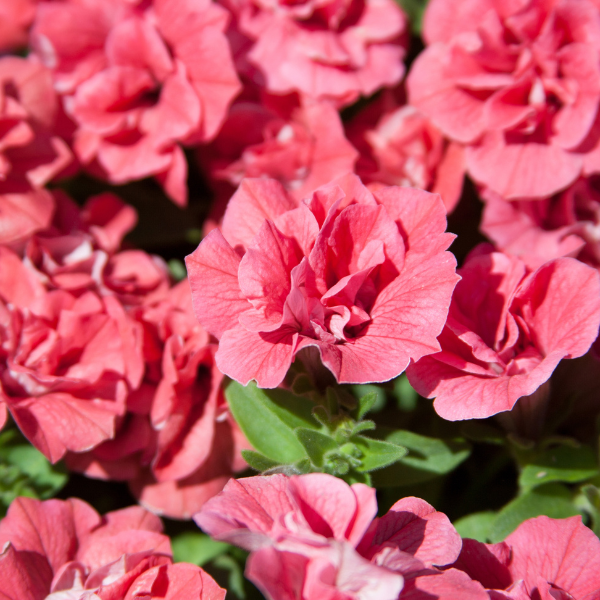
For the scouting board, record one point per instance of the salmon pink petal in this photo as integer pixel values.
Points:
(451, 585)
(415, 527)
(556, 550)
(254, 201)
(246, 510)
(331, 507)
(530, 170)
(560, 304)
(278, 575)
(272, 355)
(24, 576)
(175, 581)
(59, 422)
(219, 303)
(264, 270)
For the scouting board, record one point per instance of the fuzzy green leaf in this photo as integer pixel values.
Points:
(257, 461)
(268, 419)
(316, 444)
(427, 458)
(563, 463)
(377, 454)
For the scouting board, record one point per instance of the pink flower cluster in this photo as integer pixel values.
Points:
(314, 536)
(64, 550)
(104, 363)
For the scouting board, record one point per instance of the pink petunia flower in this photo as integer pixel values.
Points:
(68, 363)
(566, 224)
(31, 152)
(64, 550)
(176, 445)
(519, 85)
(140, 80)
(506, 331)
(326, 50)
(302, 145)
(362, 277)
(542, 559)
(400, 146)
(313, 536)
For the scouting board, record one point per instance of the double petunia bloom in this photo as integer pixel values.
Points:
(364, 278)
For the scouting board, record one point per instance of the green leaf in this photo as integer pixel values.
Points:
(427, 458)
(177, 269)
(371, 398)
(377, 454)
(316, 444)
(268, 419)
(196, 548)
(563, 463)
(24, 471)
(406, 396)
(553, 500)
(476, 526)
(257, 461)
(414, 9)
(365, 404)
(235, 581)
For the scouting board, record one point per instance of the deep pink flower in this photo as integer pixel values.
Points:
(139, 80)
(324, 50)
(566, 224)
(543, 559)
(176, 445)
(362, 277)
(63, 550)
(68, 363)
(519, 84)
(301, 145)
(400, 146)
(507, 330)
